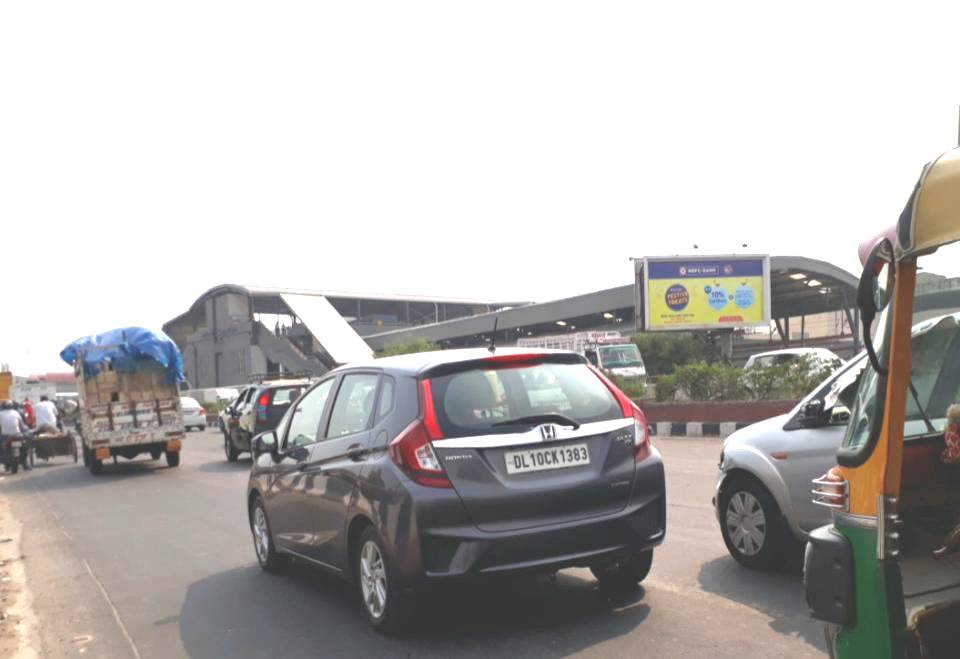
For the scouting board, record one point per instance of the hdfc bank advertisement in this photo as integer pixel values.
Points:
(686, 293)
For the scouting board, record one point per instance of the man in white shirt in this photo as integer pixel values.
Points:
(46, 413)
(11, 423)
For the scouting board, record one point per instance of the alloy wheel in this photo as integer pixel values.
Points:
(746, 523)
(373, 579)
(261, 534)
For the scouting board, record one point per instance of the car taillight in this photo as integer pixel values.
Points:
(641, 438)
(412, 451)
(262, 403)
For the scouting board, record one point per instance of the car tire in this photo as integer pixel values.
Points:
(230, 450)
(268, 557)
(624, 574)
(173, 459)
(388, 608)
(751, 524)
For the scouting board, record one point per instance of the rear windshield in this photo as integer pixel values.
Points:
(478, 401)
(189, 403)
(285, 395)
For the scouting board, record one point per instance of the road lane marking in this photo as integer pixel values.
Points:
(113, 609)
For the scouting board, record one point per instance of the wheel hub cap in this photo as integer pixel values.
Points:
(373, 579)
(746, 523)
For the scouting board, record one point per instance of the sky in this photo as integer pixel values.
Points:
(502, 150)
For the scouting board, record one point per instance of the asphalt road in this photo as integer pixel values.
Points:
(152, 562)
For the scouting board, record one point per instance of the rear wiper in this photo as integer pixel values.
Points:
(536, 419)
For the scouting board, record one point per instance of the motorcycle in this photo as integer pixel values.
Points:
(12, 448)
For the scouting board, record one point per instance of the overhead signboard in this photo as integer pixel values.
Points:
(704, 293)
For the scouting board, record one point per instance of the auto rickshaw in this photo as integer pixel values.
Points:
(885, 575)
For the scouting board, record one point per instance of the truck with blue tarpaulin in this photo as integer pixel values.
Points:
(128, 380)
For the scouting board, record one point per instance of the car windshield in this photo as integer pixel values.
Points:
(620, 356)
(482, 401)
(934, 372)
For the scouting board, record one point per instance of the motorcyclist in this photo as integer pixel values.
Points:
(12, 425)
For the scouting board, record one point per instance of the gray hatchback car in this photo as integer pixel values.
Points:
(443, 465)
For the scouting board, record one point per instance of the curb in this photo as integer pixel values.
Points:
(720, 430)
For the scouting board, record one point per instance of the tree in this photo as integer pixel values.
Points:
(408, 346)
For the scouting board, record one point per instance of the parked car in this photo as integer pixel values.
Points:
(194, 415)
(762, 499)
(821, 356)
(259, 408)
(444, 465)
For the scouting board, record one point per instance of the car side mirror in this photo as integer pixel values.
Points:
(812, 415)
(265, 442)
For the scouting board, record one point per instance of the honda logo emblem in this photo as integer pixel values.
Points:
(548, 432)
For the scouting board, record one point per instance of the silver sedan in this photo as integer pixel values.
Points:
(762, 499)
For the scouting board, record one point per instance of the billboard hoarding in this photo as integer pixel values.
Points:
(705, 293)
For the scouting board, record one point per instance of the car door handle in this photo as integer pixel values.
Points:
(356, 452)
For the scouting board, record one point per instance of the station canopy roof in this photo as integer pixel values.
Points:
(800, 286)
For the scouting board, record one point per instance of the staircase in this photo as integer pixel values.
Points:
(281, 350)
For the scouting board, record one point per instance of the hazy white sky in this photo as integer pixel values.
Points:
(518, 150)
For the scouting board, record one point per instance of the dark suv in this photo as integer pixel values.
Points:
(258, 408)
(442, 465)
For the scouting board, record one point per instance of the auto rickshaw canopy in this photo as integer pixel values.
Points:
(931, 217)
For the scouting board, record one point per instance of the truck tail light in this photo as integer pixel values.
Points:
(641, 438)
(412, 450)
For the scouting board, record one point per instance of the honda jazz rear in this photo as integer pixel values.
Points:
(527, 462)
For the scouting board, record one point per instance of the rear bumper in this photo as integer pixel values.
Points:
(466, 551)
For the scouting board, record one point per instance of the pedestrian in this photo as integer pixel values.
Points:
(276, 328)
(46, 413)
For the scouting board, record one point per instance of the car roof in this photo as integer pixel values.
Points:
(792, 351)
(418, 362)
(273, 384)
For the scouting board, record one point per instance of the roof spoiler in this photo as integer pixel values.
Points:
(506, 360)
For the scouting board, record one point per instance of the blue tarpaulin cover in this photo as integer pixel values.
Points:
(124, 348)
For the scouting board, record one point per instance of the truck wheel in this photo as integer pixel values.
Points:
(173, 458)
(95, 466)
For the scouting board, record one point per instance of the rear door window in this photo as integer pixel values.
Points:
(354, 404)
(284, 396)
(482, 401)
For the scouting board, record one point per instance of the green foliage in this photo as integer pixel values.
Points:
(408, 346)
(703, 381)
(714, 382)
(665, 388)
(632, 388)
(663, 352)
